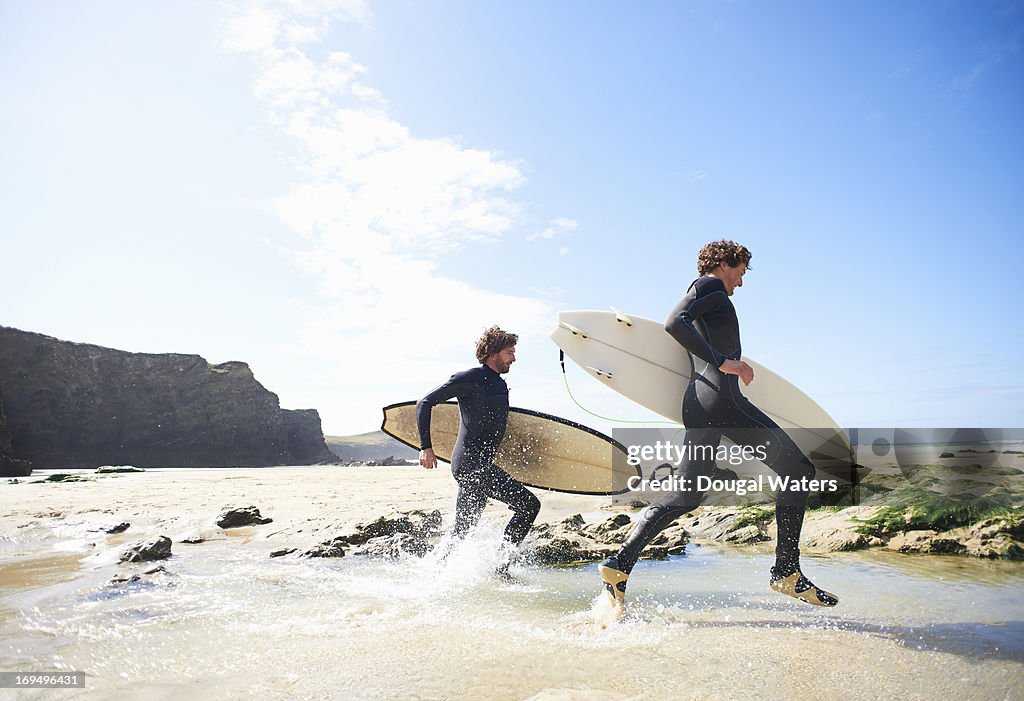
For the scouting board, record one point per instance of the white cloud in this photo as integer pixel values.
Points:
(251, 31)
(376, 207)
(260, 26)
(556, 226)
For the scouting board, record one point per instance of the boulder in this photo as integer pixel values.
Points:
(925, 542)
(746, 534)
(567, 551)
(840, 540)
(329, 548)
(729, 525)
(395, 545)
(418, 523)
(158, 548)
(609, 531)
(126, 579)
(237, 517)
(64, 477)
(574, 522)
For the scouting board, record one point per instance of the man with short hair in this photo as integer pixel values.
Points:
(705, 325)
(483, 408)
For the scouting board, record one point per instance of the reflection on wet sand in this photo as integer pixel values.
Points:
(19, 576)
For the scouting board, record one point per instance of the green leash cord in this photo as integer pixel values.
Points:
(565, 378)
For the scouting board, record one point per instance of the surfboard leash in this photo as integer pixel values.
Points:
(565, 378)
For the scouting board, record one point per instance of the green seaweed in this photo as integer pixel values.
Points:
(914, 509)
(755, 515)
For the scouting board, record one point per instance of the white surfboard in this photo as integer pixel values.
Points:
(637, 358)
(538, 450)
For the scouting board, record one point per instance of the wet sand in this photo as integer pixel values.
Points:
(227, 621)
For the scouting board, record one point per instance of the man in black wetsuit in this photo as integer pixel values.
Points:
(705, 324)
(483, 407)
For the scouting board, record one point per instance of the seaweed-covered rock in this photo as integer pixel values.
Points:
(64, 477)
(117, 469)
(998, 537)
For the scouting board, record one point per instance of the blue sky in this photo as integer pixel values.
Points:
(343, 194)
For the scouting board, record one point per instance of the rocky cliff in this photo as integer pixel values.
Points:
(9, 466)
(79, 405)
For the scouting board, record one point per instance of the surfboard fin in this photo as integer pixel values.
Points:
(622, 318)
(600, 373)
(575, 331)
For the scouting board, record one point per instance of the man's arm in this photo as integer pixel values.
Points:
(680, 326)
(456, 386)
(680, 323)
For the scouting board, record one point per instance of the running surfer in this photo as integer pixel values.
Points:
(483, 409)
(705, 324)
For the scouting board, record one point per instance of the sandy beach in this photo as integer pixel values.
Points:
(225, 620)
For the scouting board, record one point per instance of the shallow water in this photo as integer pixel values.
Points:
(226, 621)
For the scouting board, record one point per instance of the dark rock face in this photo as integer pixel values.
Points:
(9, 466)
(79, 405)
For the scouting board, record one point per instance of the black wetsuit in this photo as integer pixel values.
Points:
(483, 406)
(705, 324)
